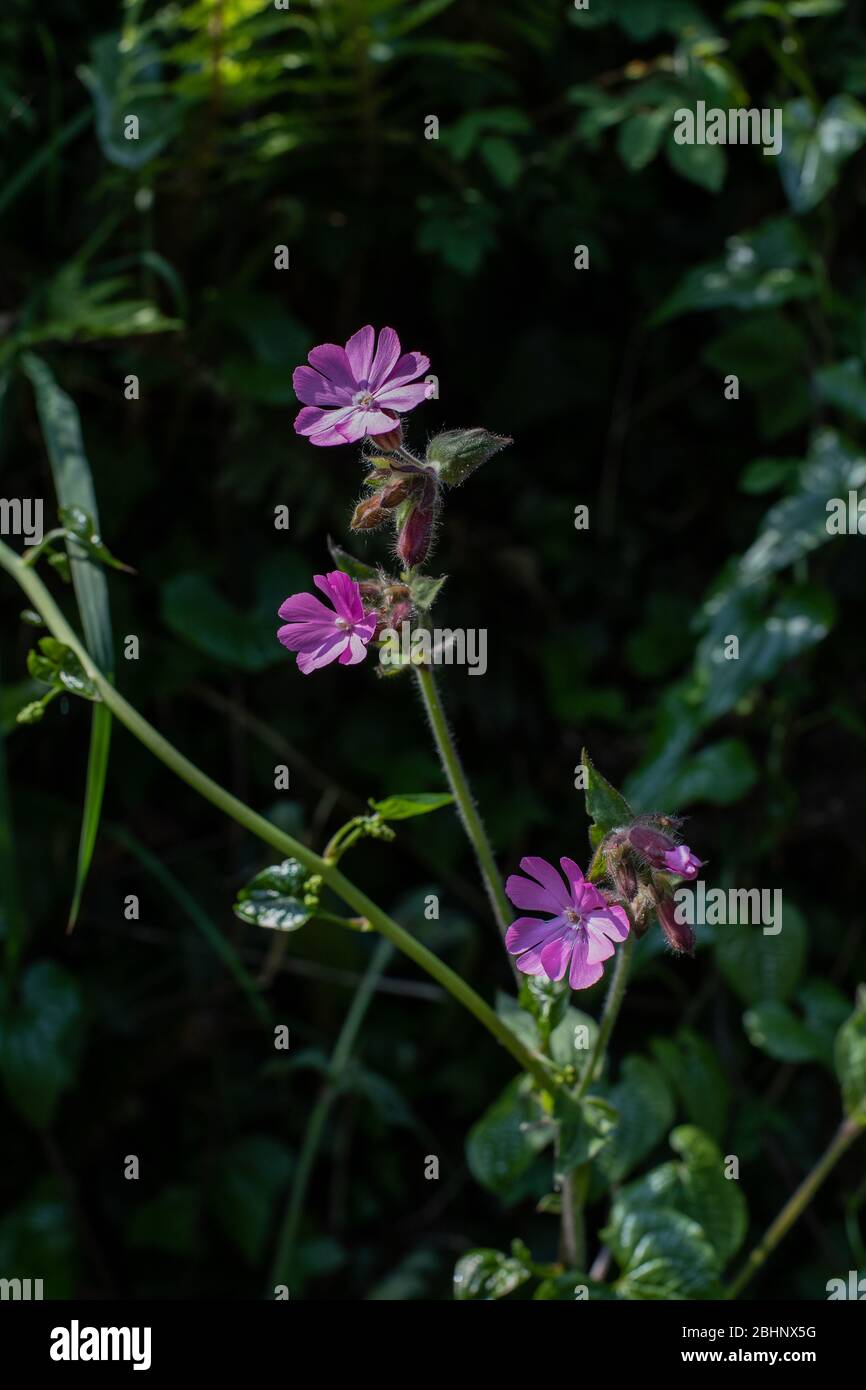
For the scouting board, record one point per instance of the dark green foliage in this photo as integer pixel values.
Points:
(154, 259)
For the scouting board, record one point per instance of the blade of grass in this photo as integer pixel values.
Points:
(199, 918)
(37, 163)
(10, 893)
(281, 1269)
(73, 483)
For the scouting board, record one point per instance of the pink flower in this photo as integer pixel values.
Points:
(321, 635)
(580, 932)
(354, 391)
(663, 852)
(682, 861)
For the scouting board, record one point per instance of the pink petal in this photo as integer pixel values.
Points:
(313, 389)
(355, 651)
(332, 362)
(305, 608)
(583, 973)
(598, 947)
(308, 637)
(525, 894)
(527, 932)
(321, 425)
(359, 350)
(530, 963)
(401, 397)
(323, 656)
(556, 954)
(573, 872)
(610, 920)
(387, 353)
(411, 364)
(343, 593)
(545, 874)
(364, 422)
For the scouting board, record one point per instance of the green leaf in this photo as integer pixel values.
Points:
(851, 1059)
(662, 1254)
(41, 1028)
(503, 1144)
(640, 136)
(503, 159)
(81, 528)
(568, 1288)
(721, 774)
(519, 1020)
(606, 808)
(170, 1221)
(775, 1029)
(765, 474)
(692, 1068)
(249, 1177)
(275, 898)
(425, 589)
(195, 611)
(815, 147)
(73, 483)
(705, 165)
(123, 78)
(455, 454)
(585, 1128)
(843, 384)
(645, 1109)
(57, 665)
(760, 270)
(356, 569)
(697, 1187)
(759, 967)
(487, 1275)
(572, 1038)
(97, 772)
(768, 638)
(404, 805)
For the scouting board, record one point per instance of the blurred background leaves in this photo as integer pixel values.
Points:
(154, 258)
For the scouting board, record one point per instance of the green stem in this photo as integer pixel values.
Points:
(281, 1270)
(796, 1204)
(257, 825)
(612, 1005)
(472, 822)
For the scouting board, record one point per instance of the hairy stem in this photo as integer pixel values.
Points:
(231, 806)
(457, 781)
(797, 1203)
(612, 1006)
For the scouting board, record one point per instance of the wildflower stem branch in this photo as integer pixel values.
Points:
(797, 1203)
(263, 829)
(457, 781)
(612, 1006)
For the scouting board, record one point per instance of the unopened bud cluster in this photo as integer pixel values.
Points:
(641, 861)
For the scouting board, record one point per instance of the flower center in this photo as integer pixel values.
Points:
(362, 398)
(572, 917)
(342, 622)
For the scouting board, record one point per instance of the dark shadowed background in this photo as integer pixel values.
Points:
(155, 257)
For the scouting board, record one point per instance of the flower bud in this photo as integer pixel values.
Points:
(368, 514)
(389, 443)
(415, 527)
(457, 453)
(620, 867)
(662, 851)
(679, 935)
(395, 493)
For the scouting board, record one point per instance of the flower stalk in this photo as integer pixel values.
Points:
(263, 829)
